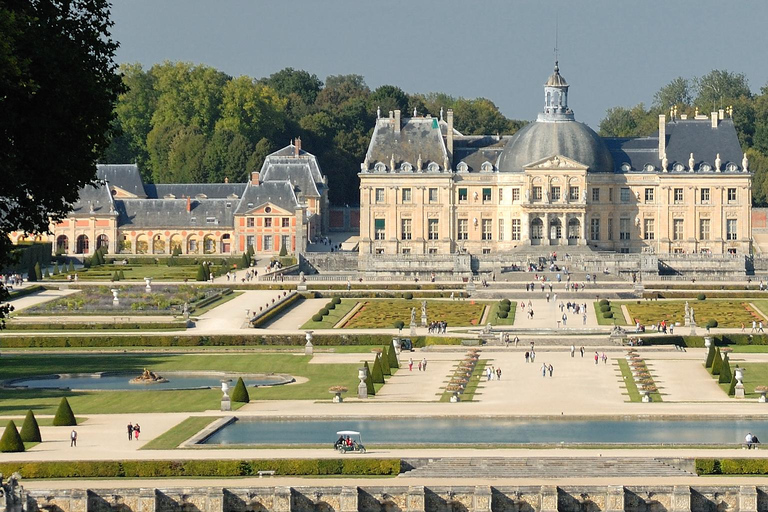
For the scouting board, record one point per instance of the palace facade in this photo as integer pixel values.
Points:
(427, 189)
(283, 205)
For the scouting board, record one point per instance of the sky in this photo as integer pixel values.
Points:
(611, 52)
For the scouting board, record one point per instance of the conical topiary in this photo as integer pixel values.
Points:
(30, 431)
(717, 363)
(64, 415)
(732, 387)
(393, 362)
(56, 269)
(245, 261)
(369, 380)
(240, 393)
(71, 267)
(725, 372)
(121, 275)
(378, 373)
(201, 273)
(710, 355)
(385, 363)
(11, 440)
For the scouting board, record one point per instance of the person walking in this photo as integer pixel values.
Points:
(565, 319)
(573, 350)
(73, 439)
(130, 431)
(424, 364)
(488, 374)
(597, 357)
(760, 327)
(754, 327)
(498, 373)
(527, 355)
(410, 364)
(419, 365)
(551, 369)
(136, 431)
(533, 356)
(544, 369)
(582, 351)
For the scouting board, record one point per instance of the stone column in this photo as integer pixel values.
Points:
(614, 499)
(563, 229)
(747, 498)
(415, 501)
(681, 499)
(348, 499)
(282, 500)
(548, 498)
(525, 229)
(481, 499)
(546, 228)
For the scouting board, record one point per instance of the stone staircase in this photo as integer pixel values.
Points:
(550, 467)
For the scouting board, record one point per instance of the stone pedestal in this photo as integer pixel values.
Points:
(747, 498)
(423, 320)
(739, 391)
(282, 499)
(548, 498)
(415, 501)
(614, 499)
(362, 388)
(681, 499)
(348, 499)
(308, 348)
(226, 404)
(693, 329)
(413, 328)
(481, 499)
(301, 287)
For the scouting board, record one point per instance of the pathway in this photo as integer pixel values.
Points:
(39, 298)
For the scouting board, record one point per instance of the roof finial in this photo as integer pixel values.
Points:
(557, 30)
(378, 112)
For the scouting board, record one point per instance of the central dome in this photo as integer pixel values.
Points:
(540, 140)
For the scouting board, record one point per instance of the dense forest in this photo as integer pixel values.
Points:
(187, 123)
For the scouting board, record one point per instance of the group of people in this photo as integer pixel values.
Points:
(133, 431)
(12, 280)
(437, 327)
(751, 441)
(492, 373)
(547, 368)
(344, 441)
(422, 364)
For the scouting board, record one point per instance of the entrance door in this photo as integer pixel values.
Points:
(555, 232)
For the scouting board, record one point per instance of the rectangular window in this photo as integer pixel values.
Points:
(515, 229)
(648, 195)
(433, 229)
(285, 241)
(406, 195)
(624, 194)
(406, 250)
(249, 222)
(595, 195)
(192, 245)
(536, 193)
(573, 193)
(380, 228)
(594, 228)
(433, 195)
(515, 194)
(610, 226)
(501, 229)
(379, 195)
(462, 195)
(487, 234)
(678, 196)
(249, 241)
(486, 250)
(677, 229)
(486, 195)
(268, 222)
(267, 242)
(286, 222)
(210, 220)
(703, 229)
(463, 230)
(623, 229)
(610, 195)
(731, 195)
(554, 193)
(379, 250)
(649, 232)
(731, 231)
(432, 250)
(405, 229)
(501, 195)
(705, 196)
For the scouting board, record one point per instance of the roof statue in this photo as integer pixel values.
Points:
(745, 163)
(664, 163)
(691, 163)
(378, 112)
(419, 162)
(717, 162)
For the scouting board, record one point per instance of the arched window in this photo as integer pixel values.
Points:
(548, 99)
(62, 244)
(102, 241)
(82, 244)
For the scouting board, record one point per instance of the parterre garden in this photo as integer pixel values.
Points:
(383, 313)
(727, 313)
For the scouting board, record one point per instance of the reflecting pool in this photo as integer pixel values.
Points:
(121, 381)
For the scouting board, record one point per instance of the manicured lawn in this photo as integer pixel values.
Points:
(755, 374)
(180, 433)
(134, 272)
(618, 315)
(495, 320)
(17, 402)
(383, 313)
(728, 313)
(333, 316)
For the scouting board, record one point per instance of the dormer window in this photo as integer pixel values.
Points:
(433, 167)
(201, 196)
(380, 167)
(229, 204)
(406, 167)
(649, 168)
(626, 167)
(705, 167)
(250, 205)
(486, 167)
(731, 167)
(210, 220)
(462, 167)
(169, 196)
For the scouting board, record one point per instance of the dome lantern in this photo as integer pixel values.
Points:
(556, 99)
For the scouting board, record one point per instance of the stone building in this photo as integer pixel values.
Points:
(425, 188)
(282, 205)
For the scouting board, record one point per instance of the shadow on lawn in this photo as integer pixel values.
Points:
(27, 365)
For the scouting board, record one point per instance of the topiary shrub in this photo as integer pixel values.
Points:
(71, 267)
(399, 324)
(11, 441)
(608, 314)
(506, 301)
(324, 311)
(732, 387)
(240, 394)
(330, 306)
(717, 362)
(725, 372)
(710, 356)
(30, 430)
(408, 295)
(503, 314)
(604, 302)
(336, 300)
(202, 275)
(369, 380)
(317, 317)
(605, 307)
(711, 323)
(701, 296)
(393, 362)
(64, 415)
(385, 369)
(378, 372)
(504, 307)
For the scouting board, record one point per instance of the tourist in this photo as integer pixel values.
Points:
(498, 373)
(424, 364)
(597, 357)
(760, 327)
(410, 364)
(605, 358)
(136, 431)
(754, 327)
(130, 432)
(573, 351)
(488, 374)
(533, 356)
(582, 351)
(527, 355)
(748, 439)
(73, 438)
(544, 369)
(419, 365)
(551, 369)
(565, 319)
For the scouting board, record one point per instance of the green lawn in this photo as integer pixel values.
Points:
(383, 313)
(618, 315)
(333, 316)
(495, 320)
(728, 313)
(134, 273)
(17, 402)
(630, 385)
(175, 436)
(755, 374)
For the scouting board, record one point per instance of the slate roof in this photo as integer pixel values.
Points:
(302, 171)
(93, 198)
(124, 176)
(279, 193)
(476, 150)
(180, 190)
(172, 213)
(418, 136)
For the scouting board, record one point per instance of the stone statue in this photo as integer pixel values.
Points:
(392, 163)
(584, 196)
(664, 163)
(691, 163)
(637, 195)
(693, 317)
(378, 112)
(414, 112)
(446, 163)
(717, 162)
(423, 308)
(546, 196)
(745, 163)
(687, 310)
(185, 311)
(413, 316)
(441, 113)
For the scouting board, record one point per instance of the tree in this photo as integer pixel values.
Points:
(718, 88)
(30, 430)
(385, 369)
(710, 355)
(675, 93)
(202, 273)
(240, 393)
(226, 157)
(378, 372)
(185, 158)
(389, 97)
(245, 261)
(64, 416)
(251, 109)
(340, 89)
(369, 380)
(38, 271)
(289, 81)
(260, 152)
(11, 441)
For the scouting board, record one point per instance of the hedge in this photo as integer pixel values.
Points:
(201, 468)
(21, 292)
(89, 326)
(731, 466)
(698, 341)
(64, 416)
(262, 319)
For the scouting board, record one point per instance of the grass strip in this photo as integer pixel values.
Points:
(42, 422)
(172, 438)
(472, 385)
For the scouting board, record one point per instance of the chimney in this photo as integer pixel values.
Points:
(189, 204)
(297, 147)
(449, 135)
(714, 119)
(397, 121)
(662, 135)
(255, 178)
(721, 114)
(226, 179)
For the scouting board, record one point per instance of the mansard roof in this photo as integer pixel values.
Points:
(418, 137)
(279, 193)
(302, 171)
(93, 199)
(209, 190)
(124, 176)
(172, 213)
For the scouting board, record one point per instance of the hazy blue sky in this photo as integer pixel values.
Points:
(612, 52)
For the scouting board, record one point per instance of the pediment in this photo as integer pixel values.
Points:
(120, 193)
(268, 209)
(557, 162)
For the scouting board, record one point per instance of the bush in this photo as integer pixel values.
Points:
(503, 314)
(202, 274)
(717, 363)
(701, 296)
(324, 312)
(506, 301)
(711, 323)
(399, 324)
(369, 380)
(64, 415)
(11, 441)
(317, 317)
(393, 362)
(30, 431)
(385, 369)
(505, 307)
(605, 307)
(710, 356)
(604, 302)
(240, 394)
(725, 371)
(732, 387)
(336, 300)
(378, 372)
(731, 466)
(71, 267)
(330, 306)
(408, 295)
(608, 314)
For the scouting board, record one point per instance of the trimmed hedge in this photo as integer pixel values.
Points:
(64, 415)
(608, 314)
(698, 341)
(18, 293)
(89, 326)
(502, 314)
(30, 431)
(11, 441)
(275, 311)
(201, 468)
(240, 394)
(731, 466)
(336, 300)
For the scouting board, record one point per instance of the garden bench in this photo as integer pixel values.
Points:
(270, 472)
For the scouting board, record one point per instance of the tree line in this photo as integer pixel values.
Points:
(186, 123)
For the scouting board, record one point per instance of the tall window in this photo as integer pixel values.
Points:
(731, 195)
(515, 194)
(462, 195)
(379, 195)
(677, 229)
(731, 229)
(501, 195)
(286, 222)
(433, 229)
(536, 193)
(678, 196)
(405, 231)
(624, 194)
(649, 232)
(487, 234)
(610, 195)
(703, 229)
(463, 229)
(433, 195)
(623, 229)
(594, 228)
(267, 222)
(249, 222)
(554, 193)
(249, 241)
(610, 226)
(406, 194)
(380, 228)
(573, 194)
(595, 195)
(285, 241)
(486, 195)
(705, 196)
(648, 195)
(501, 230)
(268, 242)
(515, 229)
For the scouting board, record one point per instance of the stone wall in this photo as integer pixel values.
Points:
(392, 498)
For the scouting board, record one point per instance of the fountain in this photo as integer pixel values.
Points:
(148, 377)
